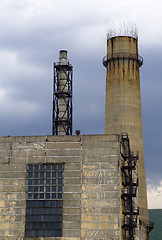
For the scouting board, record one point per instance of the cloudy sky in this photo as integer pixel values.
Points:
(32, 33)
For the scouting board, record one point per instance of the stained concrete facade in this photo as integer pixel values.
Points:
(91, 184)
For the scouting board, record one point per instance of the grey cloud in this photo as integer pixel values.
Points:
(151, 111)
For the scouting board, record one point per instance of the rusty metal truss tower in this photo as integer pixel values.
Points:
(62, 96)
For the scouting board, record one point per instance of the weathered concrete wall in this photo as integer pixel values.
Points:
(100, 188)
(91, 191)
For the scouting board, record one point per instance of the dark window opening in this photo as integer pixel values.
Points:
(44, 200)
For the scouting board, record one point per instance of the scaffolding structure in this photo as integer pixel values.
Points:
(129, 190)
(62, 96)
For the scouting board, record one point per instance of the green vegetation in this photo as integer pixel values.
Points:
(155, 215)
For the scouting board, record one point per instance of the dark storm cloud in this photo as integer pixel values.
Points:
(89, 96)
(27, 77)
(151, 75)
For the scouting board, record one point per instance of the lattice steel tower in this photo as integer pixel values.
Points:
(62, 96)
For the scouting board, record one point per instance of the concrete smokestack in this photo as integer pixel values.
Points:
(123, 102)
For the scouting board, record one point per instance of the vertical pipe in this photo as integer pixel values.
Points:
(63, 90)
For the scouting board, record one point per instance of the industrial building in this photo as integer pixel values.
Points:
(75, 187)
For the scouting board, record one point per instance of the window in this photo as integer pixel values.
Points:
(44, 200)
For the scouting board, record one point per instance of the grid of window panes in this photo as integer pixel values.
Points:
(44, 200)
